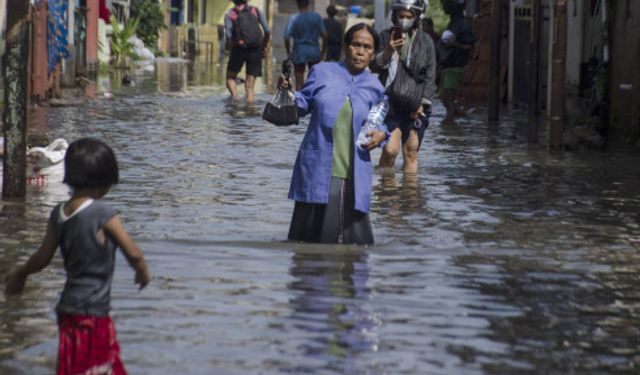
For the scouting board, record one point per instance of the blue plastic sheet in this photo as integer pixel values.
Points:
(57, 32)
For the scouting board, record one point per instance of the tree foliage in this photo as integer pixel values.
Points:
(435, 12)
(151, 17)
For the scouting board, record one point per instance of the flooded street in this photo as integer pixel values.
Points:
(497, 258)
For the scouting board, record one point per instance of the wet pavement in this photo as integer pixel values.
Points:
(497, 258)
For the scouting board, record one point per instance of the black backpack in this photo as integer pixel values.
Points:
(246, 27)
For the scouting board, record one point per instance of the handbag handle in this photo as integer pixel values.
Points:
(287, 67)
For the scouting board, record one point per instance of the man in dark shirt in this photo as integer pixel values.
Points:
(334, 32)
(454, 50)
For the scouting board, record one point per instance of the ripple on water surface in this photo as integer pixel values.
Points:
(496, 258)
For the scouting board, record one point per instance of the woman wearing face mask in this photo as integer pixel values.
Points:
(407, 69)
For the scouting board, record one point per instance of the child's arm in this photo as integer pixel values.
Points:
(39, 260)
(130, 249)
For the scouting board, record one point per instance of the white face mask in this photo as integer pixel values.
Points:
(406, 24)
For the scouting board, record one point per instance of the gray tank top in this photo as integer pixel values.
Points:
(88, 262)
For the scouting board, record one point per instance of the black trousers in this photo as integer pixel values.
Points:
(336, 222)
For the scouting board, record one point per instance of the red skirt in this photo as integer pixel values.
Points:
(88, 346)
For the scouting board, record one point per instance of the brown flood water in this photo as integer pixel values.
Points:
(497, 258)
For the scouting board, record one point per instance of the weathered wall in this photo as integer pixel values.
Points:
(38, 74)
(289, 6)
(216, 9)
(625, 71)
(3, 14)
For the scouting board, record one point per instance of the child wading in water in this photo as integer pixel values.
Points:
(87, 232)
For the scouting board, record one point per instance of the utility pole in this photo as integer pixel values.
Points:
(16, 70)
(534, 74)
(495, 64)
(558, 76)
(379, 11)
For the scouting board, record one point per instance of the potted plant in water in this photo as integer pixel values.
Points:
(122, 50)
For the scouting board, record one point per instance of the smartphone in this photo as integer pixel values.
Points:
(396, 32)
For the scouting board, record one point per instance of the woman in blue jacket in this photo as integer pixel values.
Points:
(331, 182)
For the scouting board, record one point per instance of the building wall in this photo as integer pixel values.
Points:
(216, 9)
(625, 75)
(320, 6)
(3, 14)
(212, 12)
(38, 75)
(92, 36)
(576, 12)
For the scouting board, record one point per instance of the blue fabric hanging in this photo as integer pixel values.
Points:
(57, 32)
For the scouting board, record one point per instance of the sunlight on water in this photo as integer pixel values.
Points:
(496, 258)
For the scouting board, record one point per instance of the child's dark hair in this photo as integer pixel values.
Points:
(90, 163)
(348, 36)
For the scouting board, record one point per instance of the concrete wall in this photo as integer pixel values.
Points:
(575, 30)
(38, 72)
(3, 14)
(92, 36)
(289, 6)
(625, 74)
(216, 9)
(213, 12)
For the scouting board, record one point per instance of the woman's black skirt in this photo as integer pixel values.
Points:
(335, 222)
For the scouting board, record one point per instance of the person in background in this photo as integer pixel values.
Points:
(305, 28)
(247, 33)
(427, 27)
(87, 231)
(334, 34)
(454, 50)
(331, 182)
(406, 47)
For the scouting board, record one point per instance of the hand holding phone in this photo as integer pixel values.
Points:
(396, 32)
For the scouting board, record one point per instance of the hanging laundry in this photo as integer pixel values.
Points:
(57, 32)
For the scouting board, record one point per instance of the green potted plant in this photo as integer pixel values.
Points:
(122, 50)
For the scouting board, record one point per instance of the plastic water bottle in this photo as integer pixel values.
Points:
(374, 122)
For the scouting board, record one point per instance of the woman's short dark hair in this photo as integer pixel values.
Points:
(303, 3)
(348, 37)
(90, 163)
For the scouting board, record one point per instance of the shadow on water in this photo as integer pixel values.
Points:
(497, 257)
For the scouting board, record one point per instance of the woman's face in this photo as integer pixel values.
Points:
(405, 14)
(360, 52)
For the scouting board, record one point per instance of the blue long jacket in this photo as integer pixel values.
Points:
(323, 95)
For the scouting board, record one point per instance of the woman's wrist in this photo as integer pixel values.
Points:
(387, 53)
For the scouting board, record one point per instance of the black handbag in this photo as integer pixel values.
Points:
(282, 109)
(405, 92)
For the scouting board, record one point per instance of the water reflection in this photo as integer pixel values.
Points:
(401, 202)
(330, 288)
(569, 317)
(172, 77)
(494, 258)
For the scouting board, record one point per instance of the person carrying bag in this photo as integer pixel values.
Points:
(406, 66)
